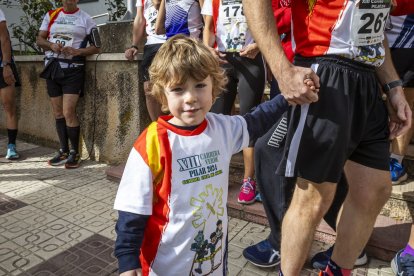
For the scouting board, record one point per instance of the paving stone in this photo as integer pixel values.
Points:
(9, 204)
(99, 190)
(35, 192)
(15, 259)
(250, 234)
(93, 256)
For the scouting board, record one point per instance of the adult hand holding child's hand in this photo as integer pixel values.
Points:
(299, 85)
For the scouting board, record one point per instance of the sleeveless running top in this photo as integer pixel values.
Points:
(350, 28)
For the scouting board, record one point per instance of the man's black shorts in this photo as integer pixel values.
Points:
(149, 53)
(349, 121)
(403, 59)
(3, 84)
(71, 83)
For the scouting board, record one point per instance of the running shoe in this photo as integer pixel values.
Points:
(12, 153)
(403, 265)
(73, 160)
(262, 254)
(247, 193)
(321, 259)
(397, 171)
(60, 158)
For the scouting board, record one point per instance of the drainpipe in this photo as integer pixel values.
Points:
(131, 10)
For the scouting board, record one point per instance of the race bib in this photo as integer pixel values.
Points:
(235, 24)
(151, 19)
(65, 39)
(369, 21)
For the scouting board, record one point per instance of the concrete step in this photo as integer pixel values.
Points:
(390, 234)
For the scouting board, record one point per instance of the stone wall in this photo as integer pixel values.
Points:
(112, 112)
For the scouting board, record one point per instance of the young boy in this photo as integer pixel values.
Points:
(173, 193)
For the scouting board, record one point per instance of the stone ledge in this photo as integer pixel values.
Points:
(98, 57)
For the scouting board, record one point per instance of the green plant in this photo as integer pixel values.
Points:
(116, 9)
(33, 12)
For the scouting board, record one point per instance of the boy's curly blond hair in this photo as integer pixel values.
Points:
(180, 58)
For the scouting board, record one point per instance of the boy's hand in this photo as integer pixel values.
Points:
(136, 272)
(311, 84)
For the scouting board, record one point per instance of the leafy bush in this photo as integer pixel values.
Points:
(33, 11)
(116, 9)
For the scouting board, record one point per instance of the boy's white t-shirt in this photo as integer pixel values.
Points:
(69, 29)
(232, 32)
(150, 15)
(187, 228)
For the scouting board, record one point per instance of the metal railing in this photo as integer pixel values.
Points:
(101, 15)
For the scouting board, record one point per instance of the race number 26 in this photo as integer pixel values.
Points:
(373, 24)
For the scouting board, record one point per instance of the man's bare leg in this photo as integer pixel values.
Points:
(369, 190)
(309, 204)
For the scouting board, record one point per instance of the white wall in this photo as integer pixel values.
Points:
(92, 8)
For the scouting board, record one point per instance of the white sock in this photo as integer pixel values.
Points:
(398, 157)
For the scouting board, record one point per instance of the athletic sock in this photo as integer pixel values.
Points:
(332, 269)
(62, 134)
(12, 134)
(408, 250)
(398, 157)
(74, 134)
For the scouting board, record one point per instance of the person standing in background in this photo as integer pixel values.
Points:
(64, 35)
(144, 25)
(9, 80)
(238, 54)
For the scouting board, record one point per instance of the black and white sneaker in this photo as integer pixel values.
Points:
(262, 254)
(73, 160)
(59, 159)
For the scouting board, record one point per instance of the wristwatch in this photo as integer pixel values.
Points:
(388, 86)
(134, 46)
(5, 63)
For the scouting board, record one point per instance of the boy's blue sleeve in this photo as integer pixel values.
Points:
(264, 116)
(130, 233)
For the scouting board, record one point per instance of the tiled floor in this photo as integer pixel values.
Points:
(60, 222)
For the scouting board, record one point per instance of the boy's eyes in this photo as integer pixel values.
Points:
(179, 89)
(201, 85)
(176, 89)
